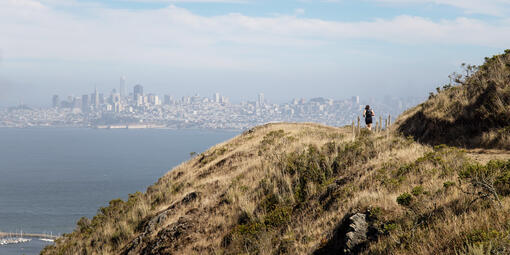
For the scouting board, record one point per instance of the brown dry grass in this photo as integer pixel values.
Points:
(254, 197)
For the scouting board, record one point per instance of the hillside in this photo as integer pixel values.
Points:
(473, 111)
(309, 189)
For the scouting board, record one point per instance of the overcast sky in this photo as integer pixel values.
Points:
(283, 48)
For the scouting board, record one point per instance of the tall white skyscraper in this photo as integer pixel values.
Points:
(217, 97)
(261, 99)
(122, 89)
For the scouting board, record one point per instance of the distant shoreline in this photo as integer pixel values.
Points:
(116, 127)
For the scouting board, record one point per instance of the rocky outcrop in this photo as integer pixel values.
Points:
(357, 234)
(171, 238)
(350, 237)
(170, 233)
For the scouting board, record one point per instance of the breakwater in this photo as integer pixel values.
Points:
(33, 235)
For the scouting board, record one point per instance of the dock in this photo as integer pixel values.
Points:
(33, 235)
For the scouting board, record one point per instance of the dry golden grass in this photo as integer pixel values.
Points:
(284, 189)
(473, 113)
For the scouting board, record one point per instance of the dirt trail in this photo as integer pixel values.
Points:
(485, 155)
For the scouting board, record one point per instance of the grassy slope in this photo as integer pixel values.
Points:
(285, 188)
(475, 113)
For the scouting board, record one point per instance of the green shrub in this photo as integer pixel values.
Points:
(405, 169)
(280, 216)
(448, 184)
(495, 171)
(84, 225)
(374, 213)
(269, 203)
(404, 199)
(418, 190)
(251, 229)
(312, 165)
(271, 137)
(388, 228)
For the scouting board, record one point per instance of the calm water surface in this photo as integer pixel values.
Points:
(50, 177)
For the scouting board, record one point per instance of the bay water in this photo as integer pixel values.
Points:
(51, 177)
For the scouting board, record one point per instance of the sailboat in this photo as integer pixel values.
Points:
(49, 240)
(14, 240)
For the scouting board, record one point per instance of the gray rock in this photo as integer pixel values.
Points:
(357, 234)
(155, 222)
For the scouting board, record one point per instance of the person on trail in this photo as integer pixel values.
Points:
(368, 114)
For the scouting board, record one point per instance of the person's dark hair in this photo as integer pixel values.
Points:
(367, 107)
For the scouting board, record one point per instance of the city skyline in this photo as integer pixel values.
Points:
(125, 89)
(137, 94)
(286, 49)
(141, 108)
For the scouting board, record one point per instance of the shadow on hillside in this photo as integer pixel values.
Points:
(487, 113)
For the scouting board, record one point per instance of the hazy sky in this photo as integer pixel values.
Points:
(283, 48)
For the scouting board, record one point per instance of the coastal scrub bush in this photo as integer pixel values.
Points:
(494, 177)
(84, 226)
(418, 190)
(271, 137)
(310, 166)
(490, 241)
(448, 184)
(405, 199)
(278, 217)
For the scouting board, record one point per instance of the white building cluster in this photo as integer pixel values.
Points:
(119, 109)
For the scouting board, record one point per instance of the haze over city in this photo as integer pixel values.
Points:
(285, 49)
(254, 127)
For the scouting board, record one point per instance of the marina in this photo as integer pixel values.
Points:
(18, 238)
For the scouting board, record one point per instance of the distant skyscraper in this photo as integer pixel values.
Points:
(85, 103)
(77, 103)
(95, 98)
(101, 98)
(122, 88)
(224, 100)
(186, 100)
(152, 99)
(139, 100)
(137, 91)
(56, 101)
(261, 99)
(217, 97)
(167, 99)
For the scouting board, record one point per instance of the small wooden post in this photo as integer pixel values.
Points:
(353, 131)
(388, 124)
(359, 127)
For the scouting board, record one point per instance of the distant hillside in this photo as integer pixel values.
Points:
(473, 113)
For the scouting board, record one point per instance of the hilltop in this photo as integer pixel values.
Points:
(472, 111)
(293, 188)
